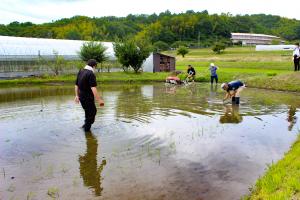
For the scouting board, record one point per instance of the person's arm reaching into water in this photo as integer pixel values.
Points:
(227, 96)
(97, 97)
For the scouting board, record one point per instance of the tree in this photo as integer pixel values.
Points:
(58, 64)
(182, 50)
(160, 46)
(218, 47)
(132, 54)
(93, 50)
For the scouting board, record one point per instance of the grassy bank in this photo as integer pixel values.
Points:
(104, 77)
(263, 69)
(282, 180)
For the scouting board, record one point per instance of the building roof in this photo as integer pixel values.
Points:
(164, 55)
(254, 35)
(24, 46)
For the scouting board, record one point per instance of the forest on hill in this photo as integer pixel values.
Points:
(191, 28)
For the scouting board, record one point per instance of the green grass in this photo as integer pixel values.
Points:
(282, 180)
(104, 77)
(261, 69)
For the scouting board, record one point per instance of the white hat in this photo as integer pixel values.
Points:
(222, 85)
(212, 64)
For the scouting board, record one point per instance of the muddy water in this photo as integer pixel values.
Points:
(148, 142)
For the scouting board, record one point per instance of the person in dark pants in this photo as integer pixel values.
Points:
(86, 93)
(296, 56)
(213, 73)
(191, 73)
(233, 89)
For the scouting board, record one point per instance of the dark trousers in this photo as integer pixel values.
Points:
(90, 112)
(296, 63)
(212, 79)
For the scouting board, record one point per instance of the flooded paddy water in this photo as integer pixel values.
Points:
(148, 142)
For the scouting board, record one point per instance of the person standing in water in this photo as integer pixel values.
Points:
(296, 57)
(86, 93)
(233, 90)
(213, 73)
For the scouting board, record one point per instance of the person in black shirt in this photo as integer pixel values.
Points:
(233, 90)
(191, 73)
(296, 57)
(86, 93)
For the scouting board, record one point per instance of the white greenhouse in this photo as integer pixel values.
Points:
(21, 56)
(20, 48)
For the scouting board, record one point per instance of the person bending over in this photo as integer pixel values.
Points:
(233, 90)
(191, 73)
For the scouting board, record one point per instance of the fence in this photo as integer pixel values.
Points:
(23, 66)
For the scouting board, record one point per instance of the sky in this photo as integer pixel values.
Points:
(41, 11)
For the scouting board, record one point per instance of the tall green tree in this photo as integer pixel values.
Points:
(93, 50)
(132, 54)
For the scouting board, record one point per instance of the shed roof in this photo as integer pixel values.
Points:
(164, 55)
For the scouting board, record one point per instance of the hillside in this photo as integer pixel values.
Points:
(190, 27)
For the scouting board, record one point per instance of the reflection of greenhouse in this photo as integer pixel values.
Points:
(25, 54)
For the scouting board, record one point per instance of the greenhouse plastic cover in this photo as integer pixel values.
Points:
(28, 48)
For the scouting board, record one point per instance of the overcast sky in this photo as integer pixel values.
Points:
(40, 11)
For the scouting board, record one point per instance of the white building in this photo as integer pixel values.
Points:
(274, 47)
(253, 39)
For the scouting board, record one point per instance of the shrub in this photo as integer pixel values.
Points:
(160, 46)
(182, 50)
(178, 44)
(218, 47)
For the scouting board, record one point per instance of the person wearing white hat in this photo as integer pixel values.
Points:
(233, 90)
(213, 73)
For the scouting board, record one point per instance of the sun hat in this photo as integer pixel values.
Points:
(212, 64)
(222, 85)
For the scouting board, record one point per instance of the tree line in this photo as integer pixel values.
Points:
(165, 29)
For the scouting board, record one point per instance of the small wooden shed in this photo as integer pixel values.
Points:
(158, 62)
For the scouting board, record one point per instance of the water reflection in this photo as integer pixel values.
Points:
(161, 143)
(89, 170)
(231, 115)
(292, 119)
(170, 89)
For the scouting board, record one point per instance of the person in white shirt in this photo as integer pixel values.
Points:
(296, 56)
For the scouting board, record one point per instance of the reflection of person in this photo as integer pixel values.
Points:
(231, 115)
(296, 57)
(86, 92)
(191, 73)
(171, 90)
(213, 73)
(292, 119)
(89, 171)
(233, 90)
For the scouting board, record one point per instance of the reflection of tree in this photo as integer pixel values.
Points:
(90, 173)
(292, 119)
(132, 103)
(231, 115)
